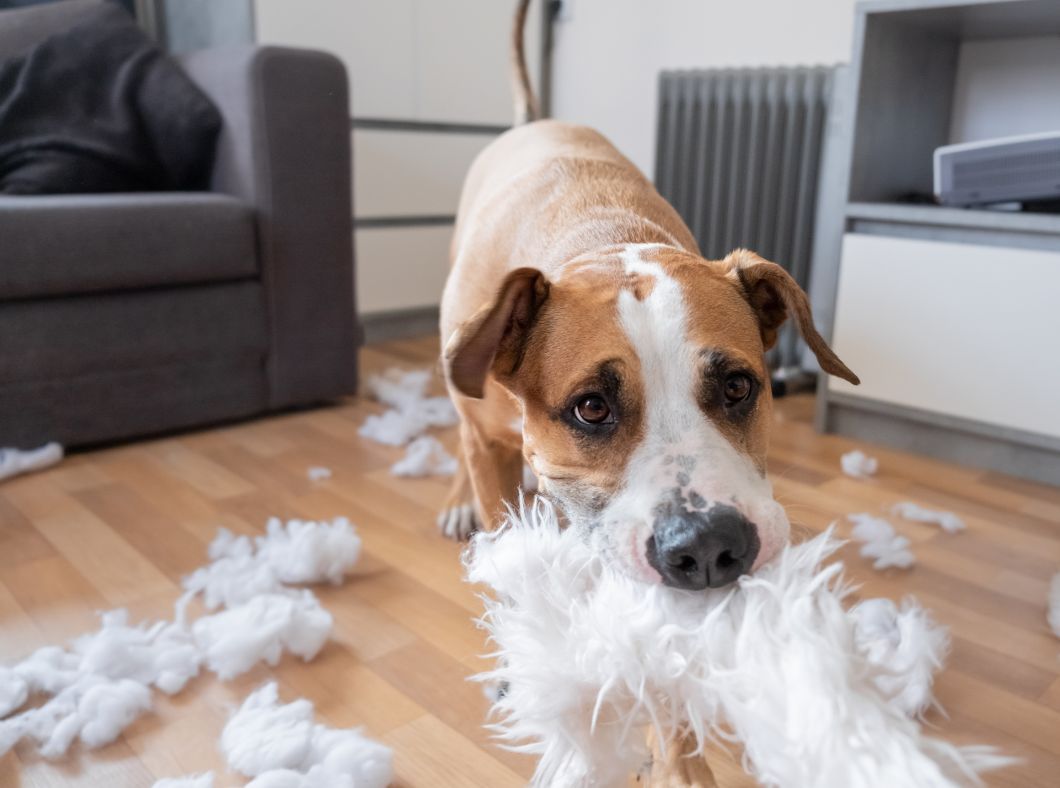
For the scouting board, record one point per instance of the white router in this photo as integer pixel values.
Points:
(1008, 169)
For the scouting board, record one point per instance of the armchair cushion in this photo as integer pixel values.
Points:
(57, 245)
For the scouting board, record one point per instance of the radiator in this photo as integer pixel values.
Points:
(738, 154)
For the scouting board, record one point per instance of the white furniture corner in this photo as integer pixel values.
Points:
(951, 317)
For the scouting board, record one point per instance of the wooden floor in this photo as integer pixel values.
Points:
(121, 526)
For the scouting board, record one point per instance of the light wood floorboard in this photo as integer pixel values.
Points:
(121, 526)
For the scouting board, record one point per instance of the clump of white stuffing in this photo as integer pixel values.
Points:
(98, 687)
(880, 542)
(1054, 605)
(947, 521)
(261, 630)
(91, 708)
(858, 464)
(589, 658)
(18, 461)
(411, 413)
(425, 456)
(906, 648)
(191, 781)
(103, 681)
(318, 473)
(281, 745)
(298, 551)
(399, 389)
(302, 551)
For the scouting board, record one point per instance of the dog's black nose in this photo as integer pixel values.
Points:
(697, 550)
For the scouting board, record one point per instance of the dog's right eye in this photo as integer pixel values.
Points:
(593, 409)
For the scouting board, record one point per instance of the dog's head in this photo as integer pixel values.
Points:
(646, 401)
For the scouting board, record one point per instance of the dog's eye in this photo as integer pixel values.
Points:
(737, 388)
(593, 409)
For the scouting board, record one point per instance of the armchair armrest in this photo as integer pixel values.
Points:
(285, 149)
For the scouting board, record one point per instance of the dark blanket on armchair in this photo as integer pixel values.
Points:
(98, 108)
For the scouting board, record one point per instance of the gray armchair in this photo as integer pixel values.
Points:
(124, 315)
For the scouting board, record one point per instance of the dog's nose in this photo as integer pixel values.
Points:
(697, 550)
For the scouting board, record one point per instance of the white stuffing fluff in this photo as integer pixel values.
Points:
(589, 658)
(14, 462)
(425, 456)
(13, 691)
(281, 745)
(410, 415)
(162, 655)
(318, 473)
(880, 542)
(103, 681)
(1054, 604)
(905, 646)
(393, 427)
(947, 521)
(398, 388)
(296, 552)
(858, 464)
(191, 781)
(92, 708)
(309, 552)
(260, 630)
(100, 685)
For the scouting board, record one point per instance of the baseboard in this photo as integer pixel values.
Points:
(1018, 453)
(399, 324)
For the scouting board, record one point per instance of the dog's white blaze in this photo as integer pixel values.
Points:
(681, 447)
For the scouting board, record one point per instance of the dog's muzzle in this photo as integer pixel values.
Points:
(702, 549)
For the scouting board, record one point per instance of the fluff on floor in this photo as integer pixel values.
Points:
(947, 521)
(817, 695)
(880, 542)
(411, 413)
(858, 464)
(103, 681)
(14, 462)
(281, 746)
(318, 473)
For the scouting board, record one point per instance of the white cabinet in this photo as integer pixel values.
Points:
(430, 87)
(410, 173)
(431, 60)
(401, 268)
(954, 328)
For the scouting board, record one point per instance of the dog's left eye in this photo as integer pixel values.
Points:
(593, 409)
(737, 388)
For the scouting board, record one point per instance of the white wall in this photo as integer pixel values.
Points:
(198, 24)
(608, 53)
(1006, 87)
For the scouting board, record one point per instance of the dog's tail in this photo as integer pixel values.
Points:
(526, 108)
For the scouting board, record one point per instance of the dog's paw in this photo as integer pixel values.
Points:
(458, 522)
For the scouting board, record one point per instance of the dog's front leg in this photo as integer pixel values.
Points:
(488, 476)
(496, 469)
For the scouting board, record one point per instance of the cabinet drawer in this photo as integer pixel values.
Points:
(401, 267)
(957, 329)
(398, 173)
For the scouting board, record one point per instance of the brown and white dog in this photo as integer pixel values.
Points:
(584, 332)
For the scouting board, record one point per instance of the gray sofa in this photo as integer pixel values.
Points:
(125, 315)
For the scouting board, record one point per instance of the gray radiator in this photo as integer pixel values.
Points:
(738, 153)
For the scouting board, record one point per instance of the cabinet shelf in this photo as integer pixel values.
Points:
(938, 216)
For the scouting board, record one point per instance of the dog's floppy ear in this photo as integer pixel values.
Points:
(773, 294)
(495, 337)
